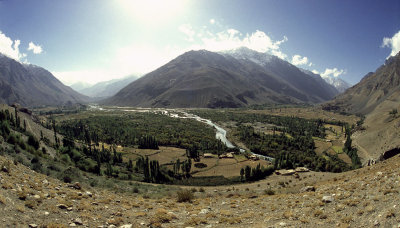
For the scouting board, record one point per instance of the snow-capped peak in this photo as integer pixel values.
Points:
(248, 54)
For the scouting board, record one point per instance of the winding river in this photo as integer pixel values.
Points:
(174, 113)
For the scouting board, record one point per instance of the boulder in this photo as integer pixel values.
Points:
(327, 199)
(308, 189)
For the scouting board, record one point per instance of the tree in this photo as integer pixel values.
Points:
(247, 172)
(393, 112)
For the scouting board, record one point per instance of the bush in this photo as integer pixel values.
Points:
(269, 192)
(185, 196)
(32, 141)
(200, 165)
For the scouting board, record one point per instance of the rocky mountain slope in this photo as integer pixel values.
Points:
(363, 198)
(31, 85)
(207, 79)
(338, 83)
(375, 96)
(106, 88)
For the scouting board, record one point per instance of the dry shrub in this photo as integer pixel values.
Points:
(195, 221)
(162, 216)
(185, 196)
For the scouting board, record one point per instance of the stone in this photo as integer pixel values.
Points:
(204, 211)
(72, 224)
(126, 226)
(76, 185)
(33, 225)
(4, 169)
(62, 206)
(308, 189)
(283, 224)
(89, 194)
(78, 221)
(46, 213)
(45, 182)
(36, 197)
(327, 199)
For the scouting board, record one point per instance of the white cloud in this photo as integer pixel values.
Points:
(36, 49)
(10, 48)
(212, 21)
(299, 60)
(330, 72)
(310, 64)
(188, 31)
(393, 43)
(229, 39)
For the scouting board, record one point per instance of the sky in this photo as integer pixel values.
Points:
(97, 40)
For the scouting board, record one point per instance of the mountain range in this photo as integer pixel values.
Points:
(103, 89)
(30, 85)
(237, 78)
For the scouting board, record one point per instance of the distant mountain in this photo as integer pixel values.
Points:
(106, 88)
(232, 79)
(371, 91)
(340, 84)
(375, 96)
(78, 86)
(30, 85)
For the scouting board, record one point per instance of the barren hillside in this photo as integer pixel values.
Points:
(362, 198)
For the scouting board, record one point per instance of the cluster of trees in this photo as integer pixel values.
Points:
(253, 174)
(148, 142)
(351, 151)
(151, 170)
(290, 124)
(145, 130)
(9, 122)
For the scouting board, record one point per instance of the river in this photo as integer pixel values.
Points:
(175, 113)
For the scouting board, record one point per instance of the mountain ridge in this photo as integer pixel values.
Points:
(208, 79)
(32, 85)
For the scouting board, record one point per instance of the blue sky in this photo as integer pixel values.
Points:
(96, 40)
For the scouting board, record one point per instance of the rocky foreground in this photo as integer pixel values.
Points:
(363, 198)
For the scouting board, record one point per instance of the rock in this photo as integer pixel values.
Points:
(72, 224)
(45, 182)
(126, 226)
(282, 224)
(4, 169)
(308, 189)
(89, 194)
(33, 225)
(327, 199)
(204, 211)
(36, 197)
(76, 185)
(62, 206)
(78, 221)
(46, 213)
(69, 209)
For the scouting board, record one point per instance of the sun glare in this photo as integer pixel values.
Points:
(153, 12)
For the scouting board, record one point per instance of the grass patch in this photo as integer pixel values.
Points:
(337, 149)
